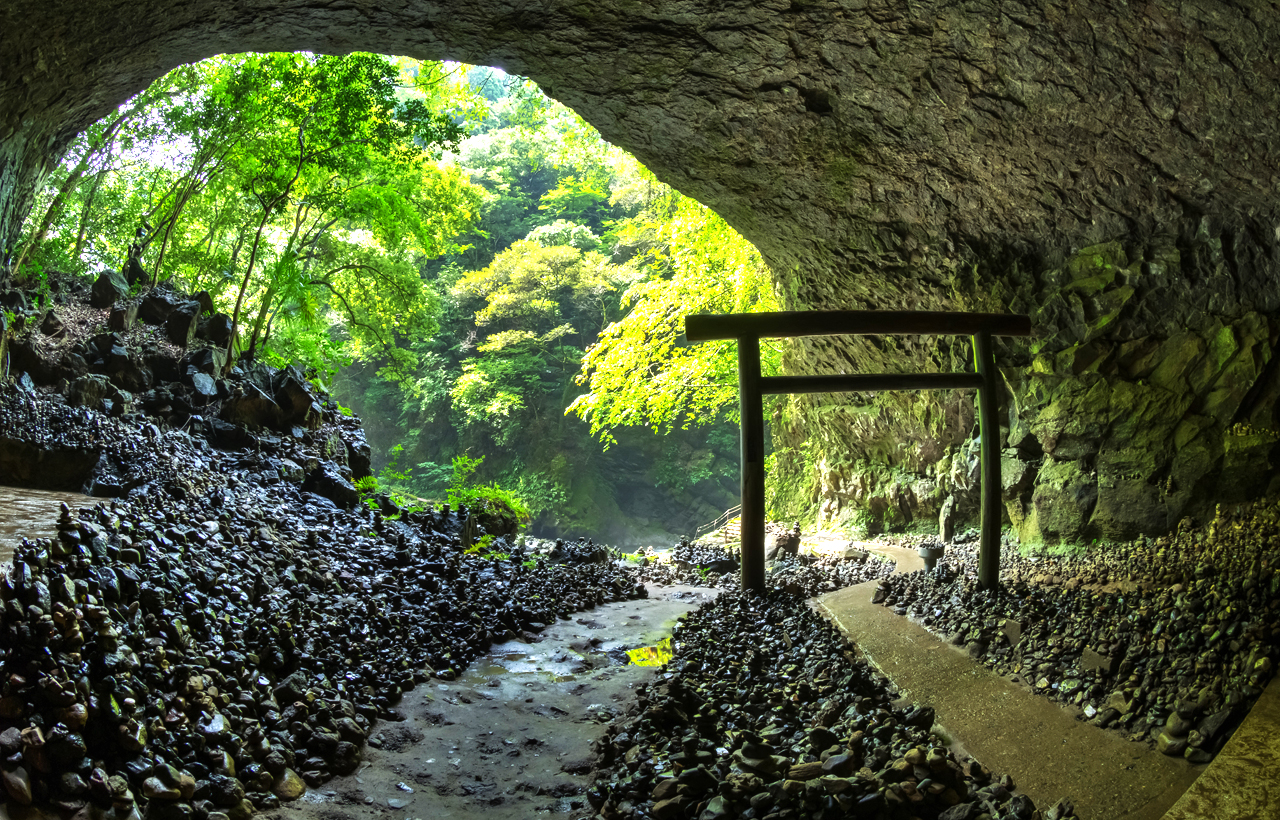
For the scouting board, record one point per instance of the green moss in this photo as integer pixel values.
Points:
(1109, 305)
(1096, 260)
(1093, 284)
(1222, 347)
(842, 170)
(1177, 354)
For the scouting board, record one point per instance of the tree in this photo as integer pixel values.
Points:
(337, 113)
(641, 372)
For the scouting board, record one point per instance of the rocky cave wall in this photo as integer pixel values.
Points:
(1110, 169)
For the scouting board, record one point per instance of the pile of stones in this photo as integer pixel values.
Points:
(764, 711)
(809, 577)
(1167, 640)
(226, 630)
(706, 565)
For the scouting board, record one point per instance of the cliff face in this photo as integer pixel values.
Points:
(1110, 170)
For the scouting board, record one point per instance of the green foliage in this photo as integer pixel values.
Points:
(564, 232)
(392, 473)
(567, 225)
(641, 371)
(302, 191)
(483, 496)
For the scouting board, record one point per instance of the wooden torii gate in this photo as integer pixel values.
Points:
(749, 328)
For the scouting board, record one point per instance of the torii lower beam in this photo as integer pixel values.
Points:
(748, 328)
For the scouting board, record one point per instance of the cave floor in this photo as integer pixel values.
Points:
(510, 738)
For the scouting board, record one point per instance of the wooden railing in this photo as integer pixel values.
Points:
(721, 522)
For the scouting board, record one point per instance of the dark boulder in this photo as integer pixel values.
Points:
(205, 301)
(207, 360)
(156, 307)
(217, 329)
(180, 327)
(359, 454)
(327, 482)
(227, 436)
(107, 289)
(89, 391)
(25, 355)
(251, 407)
(133, 272)
(52, 324)
(123, 316)
(126, 373)
(23, 464)
(297, 405)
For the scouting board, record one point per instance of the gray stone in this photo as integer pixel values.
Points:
(123, 316)
(1093, 661)
(206, 388)
(89, 391)
(947, 520)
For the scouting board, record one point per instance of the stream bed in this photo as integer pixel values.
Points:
(32, 514)
(511, 737)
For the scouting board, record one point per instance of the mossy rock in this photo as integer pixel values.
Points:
(1095, 259)
(1065, 495)
(1177, 355)
(1130, 506)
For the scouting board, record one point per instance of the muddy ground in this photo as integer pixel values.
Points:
(511, 737)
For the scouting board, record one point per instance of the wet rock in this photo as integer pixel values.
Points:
(108, 288)
(288, 786)
(252, 408)
(326, 481)
(751, 675)
(180, 325)
(17, 784)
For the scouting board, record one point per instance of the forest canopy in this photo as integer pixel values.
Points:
(466, 262)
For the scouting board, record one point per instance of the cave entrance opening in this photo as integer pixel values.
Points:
(748, 328)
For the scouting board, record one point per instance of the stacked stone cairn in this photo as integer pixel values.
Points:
(1168, 640)
(764, 711)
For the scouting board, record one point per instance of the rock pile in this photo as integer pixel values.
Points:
(226, 631)
(700, 564)
(764, 712)
(802, 576)
(1168, 640)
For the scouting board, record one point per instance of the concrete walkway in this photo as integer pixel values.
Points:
(1243, 781)
(1049, 753)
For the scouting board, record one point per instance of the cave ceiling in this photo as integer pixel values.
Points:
(841, 137)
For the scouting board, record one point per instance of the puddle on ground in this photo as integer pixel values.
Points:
(655, 655)
(32, 514)
(516, 658)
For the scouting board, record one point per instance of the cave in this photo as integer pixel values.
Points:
(1109, 172)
